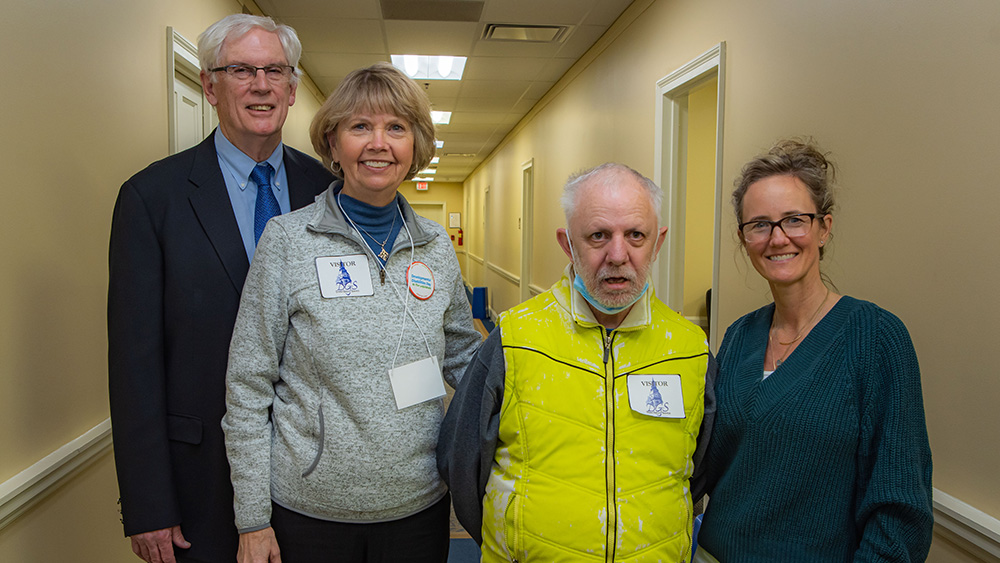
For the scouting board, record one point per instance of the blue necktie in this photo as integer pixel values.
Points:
(267, 205)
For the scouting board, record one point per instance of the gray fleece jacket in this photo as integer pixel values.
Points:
(311, 421)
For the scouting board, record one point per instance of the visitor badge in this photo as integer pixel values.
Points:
(344, 276)
(420, 280)
(656, 395)
(416, 382)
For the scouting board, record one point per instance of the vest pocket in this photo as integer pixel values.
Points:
(512, 526)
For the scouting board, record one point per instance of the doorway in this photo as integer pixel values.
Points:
(527, 225)
(688, 166)
(190, 118)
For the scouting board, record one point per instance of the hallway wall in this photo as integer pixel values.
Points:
(902, 94)
(85, 102)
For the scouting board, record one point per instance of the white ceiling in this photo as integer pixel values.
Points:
(503, 79)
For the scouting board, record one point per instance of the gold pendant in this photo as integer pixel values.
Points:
(383, 254)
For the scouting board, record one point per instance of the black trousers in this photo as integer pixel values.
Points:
(420, 538)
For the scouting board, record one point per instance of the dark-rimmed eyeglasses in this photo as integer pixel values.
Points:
(245, 72)
(793, 226)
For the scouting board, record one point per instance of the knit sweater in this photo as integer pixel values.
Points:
(311, 420)
(827, 459)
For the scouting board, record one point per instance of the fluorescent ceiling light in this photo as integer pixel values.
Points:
(430, 67)
(441, 117)
(419, 179)
(428, 171)
(435, 160)
(439, 144)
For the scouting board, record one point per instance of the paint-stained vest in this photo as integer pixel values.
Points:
(578, 474)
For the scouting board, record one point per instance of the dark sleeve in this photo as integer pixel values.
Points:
(136, 370)
(698, 480)
(469, 434)
(894, 497)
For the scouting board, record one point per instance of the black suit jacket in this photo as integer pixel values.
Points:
(177, 266)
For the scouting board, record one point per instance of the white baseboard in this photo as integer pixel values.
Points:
(24, 490)
(967, 522)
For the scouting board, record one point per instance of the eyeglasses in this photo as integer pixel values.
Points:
(793, 226)
(245, 73)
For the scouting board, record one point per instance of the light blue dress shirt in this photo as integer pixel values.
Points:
(236, 167)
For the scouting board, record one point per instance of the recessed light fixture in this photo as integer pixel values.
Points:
(435, 160)
(430, 67)
(461, 154)
(428, 171)
(439, 144)
(441, 117)
(419, 179)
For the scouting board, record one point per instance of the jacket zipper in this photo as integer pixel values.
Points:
(609, 420)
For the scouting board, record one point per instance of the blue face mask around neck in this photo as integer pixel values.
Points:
(582, 289)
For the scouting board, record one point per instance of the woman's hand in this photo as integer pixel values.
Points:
(259, 547)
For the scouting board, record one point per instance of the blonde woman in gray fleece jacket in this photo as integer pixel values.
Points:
(353, 308)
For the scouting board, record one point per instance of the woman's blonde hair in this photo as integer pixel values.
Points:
(380, 88)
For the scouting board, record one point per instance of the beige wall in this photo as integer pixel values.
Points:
(904, 97)
(451, 193)
(85, 108)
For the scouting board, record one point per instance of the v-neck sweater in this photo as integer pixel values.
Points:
(828, 458)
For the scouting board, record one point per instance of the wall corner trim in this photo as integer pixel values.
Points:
(967, 522)
(27, 488)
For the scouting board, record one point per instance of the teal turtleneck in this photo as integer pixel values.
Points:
(378, 226)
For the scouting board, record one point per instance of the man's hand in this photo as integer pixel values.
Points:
(158, 546)
(259, 547)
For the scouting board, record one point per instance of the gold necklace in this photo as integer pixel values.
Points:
(778, 361)
(382, 253)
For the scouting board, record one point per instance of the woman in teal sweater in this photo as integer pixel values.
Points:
(820, 450)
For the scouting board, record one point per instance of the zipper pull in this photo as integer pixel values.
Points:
(381, 275)
(607, 349)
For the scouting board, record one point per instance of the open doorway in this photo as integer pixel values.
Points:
(688, 165)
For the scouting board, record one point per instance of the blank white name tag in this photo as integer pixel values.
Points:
(417, 382)
(656, 395)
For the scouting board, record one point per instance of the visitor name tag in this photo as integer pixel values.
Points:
(656, 395)
(416, 382)
(344, 276)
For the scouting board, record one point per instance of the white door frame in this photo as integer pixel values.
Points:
(671, 95)
(527, 225)
(182, 57)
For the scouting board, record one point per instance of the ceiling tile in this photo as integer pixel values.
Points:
(605, 12)
(494, 88)
(535, 12)
(430, 38)
(503, 68)
(339, 35)
(347, 9)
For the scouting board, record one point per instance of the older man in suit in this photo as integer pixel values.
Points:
(182, 237)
